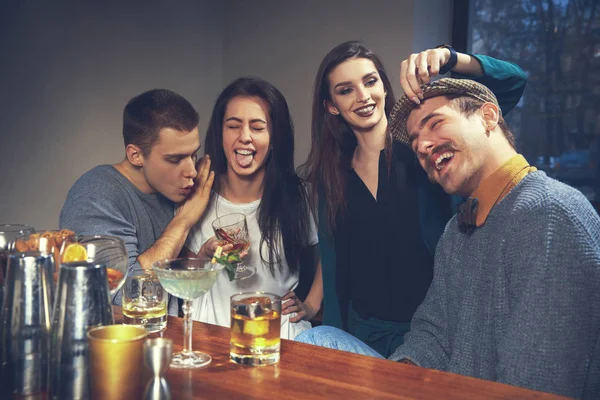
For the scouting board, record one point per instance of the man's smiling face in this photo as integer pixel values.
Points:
(450, 146)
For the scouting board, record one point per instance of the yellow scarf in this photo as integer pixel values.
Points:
(499, 184)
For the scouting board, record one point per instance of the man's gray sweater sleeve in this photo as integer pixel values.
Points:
(100, 214)
(104, 202)
(427, 342)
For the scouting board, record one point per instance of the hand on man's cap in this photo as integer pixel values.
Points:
(442, 87)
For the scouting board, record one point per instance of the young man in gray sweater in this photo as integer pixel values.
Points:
(136, 198)
(515, 296)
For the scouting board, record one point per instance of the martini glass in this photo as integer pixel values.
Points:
(233, 229)
(188, 279)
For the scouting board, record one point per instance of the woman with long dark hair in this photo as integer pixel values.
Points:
(250, 141)
(379, 216)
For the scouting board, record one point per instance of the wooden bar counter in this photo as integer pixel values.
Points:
(311, 372)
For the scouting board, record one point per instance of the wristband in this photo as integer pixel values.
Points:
(451, 63)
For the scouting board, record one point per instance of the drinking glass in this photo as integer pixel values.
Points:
(107, 250)
(188, 279)
(233, 229)
(255, 328)
(145, 301)
(47, 242)
(8, 235)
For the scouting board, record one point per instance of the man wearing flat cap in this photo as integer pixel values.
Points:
(515, 296)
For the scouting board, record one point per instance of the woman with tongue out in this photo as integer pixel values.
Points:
(379, 216)
(250, 141)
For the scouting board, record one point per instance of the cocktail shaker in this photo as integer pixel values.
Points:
(81, 302)
(25, 328)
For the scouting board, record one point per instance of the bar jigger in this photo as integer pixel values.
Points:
(157, 357)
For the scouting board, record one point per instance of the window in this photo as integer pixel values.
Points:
(557, 43)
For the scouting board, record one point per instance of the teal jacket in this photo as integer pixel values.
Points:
(507, 81)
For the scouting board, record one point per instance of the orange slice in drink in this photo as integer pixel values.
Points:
(114, 277)
(74, 252)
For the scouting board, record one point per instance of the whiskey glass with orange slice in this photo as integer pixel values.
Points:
(107, 250)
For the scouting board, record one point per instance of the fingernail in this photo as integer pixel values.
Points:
(416, 100)
(420, 95)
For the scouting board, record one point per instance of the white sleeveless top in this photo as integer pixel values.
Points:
(213, 307)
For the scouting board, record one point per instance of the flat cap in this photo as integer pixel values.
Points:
(442, 87)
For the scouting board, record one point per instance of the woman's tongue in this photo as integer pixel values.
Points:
(244, 160)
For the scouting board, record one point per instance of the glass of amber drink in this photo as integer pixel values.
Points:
(145, 301)
(255, 328)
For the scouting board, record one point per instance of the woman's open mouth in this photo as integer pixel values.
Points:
(244, 158)
(365, 111)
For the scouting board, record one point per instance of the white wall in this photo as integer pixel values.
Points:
(285, 41)
(66, 72)
(432, 22)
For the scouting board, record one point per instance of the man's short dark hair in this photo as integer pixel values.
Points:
(469, 106)
(146, 114)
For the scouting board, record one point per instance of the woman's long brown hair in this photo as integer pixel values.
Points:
(333, 141)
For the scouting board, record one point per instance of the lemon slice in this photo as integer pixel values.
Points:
(74, 252)
(217, 254)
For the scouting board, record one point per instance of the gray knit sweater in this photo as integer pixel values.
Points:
(104, 202)
(518, 300)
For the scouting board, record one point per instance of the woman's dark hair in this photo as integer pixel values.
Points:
(284, 209)
(146, 114)
(333, 142)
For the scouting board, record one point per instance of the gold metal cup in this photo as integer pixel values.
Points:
(116, 361)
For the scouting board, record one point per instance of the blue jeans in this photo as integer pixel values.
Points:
(334, 338)
(382, 336)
